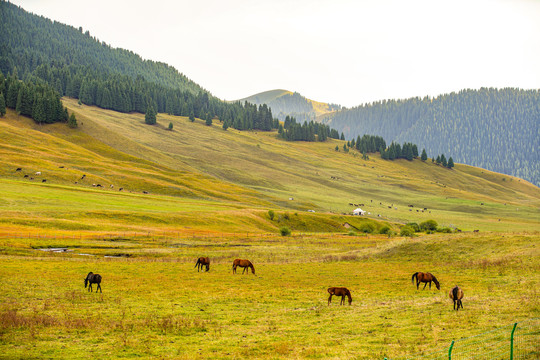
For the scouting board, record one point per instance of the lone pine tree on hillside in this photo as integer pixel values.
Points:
(72, 121)
(150, 117)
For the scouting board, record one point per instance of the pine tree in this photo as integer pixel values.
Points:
(208, 120)
(225, 125)
(443, 160)
(150, 116)
(438, 160)
(171, 126)
(450, 163)
(2, 105)
(72, 122)
(192, 116)
(424, 155)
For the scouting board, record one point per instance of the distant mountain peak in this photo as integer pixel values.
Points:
(287, 103)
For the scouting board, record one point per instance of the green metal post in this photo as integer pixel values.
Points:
(450, 351)
(512, 342)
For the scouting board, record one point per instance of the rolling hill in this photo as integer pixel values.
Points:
(236, 177)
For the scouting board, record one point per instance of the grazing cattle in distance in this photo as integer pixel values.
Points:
(245, 264)
(425, 278)
(37, 173)
(82, 177)
(145, 192)
(44, 180)
(203, 262)
(25, 175)
(120, 189)
(456, 294)
(92, 278)
(476, 230)
(410, 205)
(112, 186)
(18, 169)
(339, 291)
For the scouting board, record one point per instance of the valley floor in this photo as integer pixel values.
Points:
(156, 305)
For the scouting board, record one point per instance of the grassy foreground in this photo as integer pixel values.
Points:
(156, 305)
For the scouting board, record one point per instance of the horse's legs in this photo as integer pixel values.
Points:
(99, 287)
(342, 302)
(417, 284)
(330, 299)
(425, 286)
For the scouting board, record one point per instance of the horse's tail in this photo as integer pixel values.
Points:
(455, 292)
(413, 276)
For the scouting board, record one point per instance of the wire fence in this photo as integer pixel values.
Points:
(512, 342)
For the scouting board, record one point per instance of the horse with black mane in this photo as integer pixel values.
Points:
(246, 264)
(456, 294)
(92, 278)
(202, 262)
(425, 278)
(339, 291)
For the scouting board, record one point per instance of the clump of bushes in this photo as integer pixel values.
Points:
(428, 225)
(415, 226)
(285, 231)
(367, 228)
(385, 230)
(406, 231)
(271, 214)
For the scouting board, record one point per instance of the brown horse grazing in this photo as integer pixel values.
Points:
(339, 291)
(246, 264)
(425, 278)
(202, 262)
(456, 294)
(92, 278)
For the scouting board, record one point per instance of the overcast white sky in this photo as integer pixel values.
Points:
(347, 52)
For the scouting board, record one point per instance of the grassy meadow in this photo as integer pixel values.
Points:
(201, 191)
(156, 305)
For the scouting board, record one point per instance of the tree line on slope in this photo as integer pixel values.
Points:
(496, 129)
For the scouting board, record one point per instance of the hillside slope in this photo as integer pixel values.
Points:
(256, 170)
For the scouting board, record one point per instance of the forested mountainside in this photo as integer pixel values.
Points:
(42, 52)
(496, 129)
(286, 103)
(29, 41)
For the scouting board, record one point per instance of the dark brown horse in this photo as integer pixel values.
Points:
(92, 278)
(202, 262)
(339, 291)
(456, 294)
(425, 278)
(246, 264)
